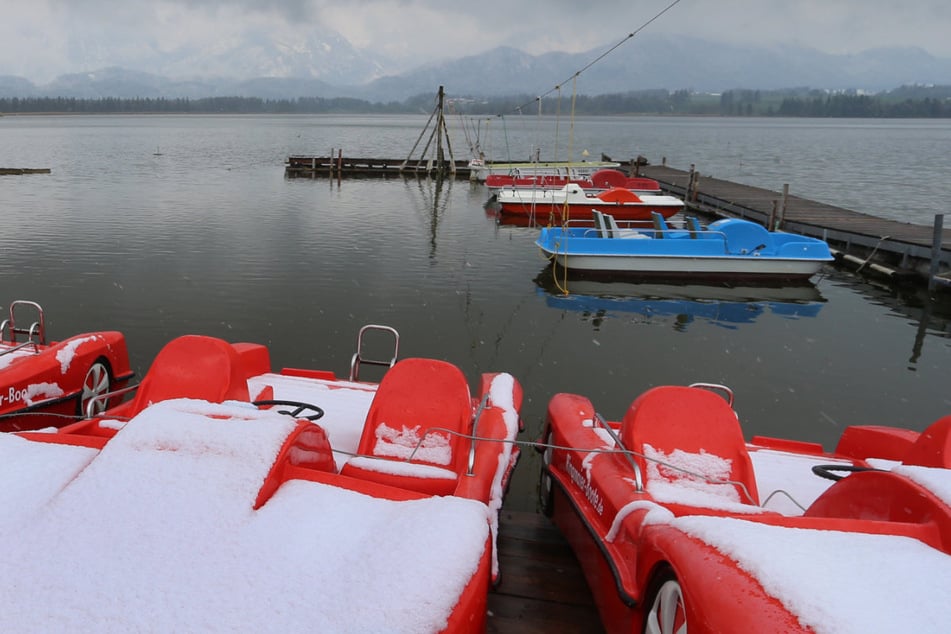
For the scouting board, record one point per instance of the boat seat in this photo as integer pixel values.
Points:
(614, 231)
(933, 446)
(662, 230)
(415, 396)
(600, 224)
(693, 225)
(697, 429)
(193, 366)
(660, 225)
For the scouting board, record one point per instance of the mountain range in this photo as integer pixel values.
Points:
(328, 67)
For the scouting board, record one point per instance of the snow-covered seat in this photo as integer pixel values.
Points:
(414, 436)
(677, 432)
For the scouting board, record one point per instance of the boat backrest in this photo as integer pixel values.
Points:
(660, 225)
(194, 366)
(600, 224)
(693, 225)
(695, 428)
(614, 231)
(421, 415)
(933, 446)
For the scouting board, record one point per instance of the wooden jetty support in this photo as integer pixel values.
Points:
(542, 588)
(899, 250)
(432, 160)
(346, 167)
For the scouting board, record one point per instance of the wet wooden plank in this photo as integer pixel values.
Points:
(542, 588)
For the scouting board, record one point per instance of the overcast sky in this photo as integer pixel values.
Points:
(40, 39)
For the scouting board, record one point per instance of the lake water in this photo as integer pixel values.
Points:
(160, 226)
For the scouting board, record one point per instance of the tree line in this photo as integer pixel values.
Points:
(907, 102)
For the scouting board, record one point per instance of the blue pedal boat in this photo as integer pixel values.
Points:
(729, 248)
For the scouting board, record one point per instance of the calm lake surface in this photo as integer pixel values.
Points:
(160, 226)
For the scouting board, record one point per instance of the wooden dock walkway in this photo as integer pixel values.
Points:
(542, 588)
(897, 248)
(297, 166)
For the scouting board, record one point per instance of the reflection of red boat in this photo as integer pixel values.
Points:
(600, 180)
(679, 524)
(50, 383)
(323, 504)
(621, 203)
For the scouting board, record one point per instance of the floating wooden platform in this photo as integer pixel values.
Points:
(896, 248)
(542, 588)
(16, 171)
(348, 167)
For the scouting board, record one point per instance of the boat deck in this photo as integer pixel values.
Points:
(542, 587)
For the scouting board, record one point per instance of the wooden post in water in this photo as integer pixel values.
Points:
(782, 208)
(440, 124)
(935, 250)
(339, 164)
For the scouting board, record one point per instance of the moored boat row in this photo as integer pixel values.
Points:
(380, 501)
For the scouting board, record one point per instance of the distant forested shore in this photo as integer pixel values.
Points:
(904, 102)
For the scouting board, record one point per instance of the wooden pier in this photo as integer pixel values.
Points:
(542, 588)
(347, 167)
(899, 250)
(19, 171)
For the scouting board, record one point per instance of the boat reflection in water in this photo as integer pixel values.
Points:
(724, 305)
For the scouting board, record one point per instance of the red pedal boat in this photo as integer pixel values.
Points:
(572, 200)
(50, 383)
(226, 496)
(681, 525)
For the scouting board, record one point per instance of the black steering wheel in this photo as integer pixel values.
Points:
(827, 471)
(297, 412)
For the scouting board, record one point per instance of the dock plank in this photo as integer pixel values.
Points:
(542, 588)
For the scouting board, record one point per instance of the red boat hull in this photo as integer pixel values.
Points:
(621, 211)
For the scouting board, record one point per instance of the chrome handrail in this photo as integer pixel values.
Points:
(105, 397)
(475, 427)
(358, 359)
(716, 387)
(638, 477)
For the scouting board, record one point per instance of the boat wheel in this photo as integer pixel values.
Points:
(827, 471)
(668, 613)
(298, 411)
(97, 382)
(545, 493)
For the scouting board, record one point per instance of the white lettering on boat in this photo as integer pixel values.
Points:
(584, 483)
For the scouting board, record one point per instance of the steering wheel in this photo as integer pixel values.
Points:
(297, 412)
(827, 470)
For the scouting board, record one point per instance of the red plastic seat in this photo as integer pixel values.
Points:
(194, 366)
(695, 421)
(933, 446)
(414, 396)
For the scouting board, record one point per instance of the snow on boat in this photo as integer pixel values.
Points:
(50, 383)
(620, 202)
(227, 496)
(729, 248)
(681, 525)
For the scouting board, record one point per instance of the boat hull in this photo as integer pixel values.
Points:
(674, 266)
(621, 211)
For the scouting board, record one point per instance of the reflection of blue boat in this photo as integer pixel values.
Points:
(723, 305)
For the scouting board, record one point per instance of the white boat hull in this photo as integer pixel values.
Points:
(679, 265)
